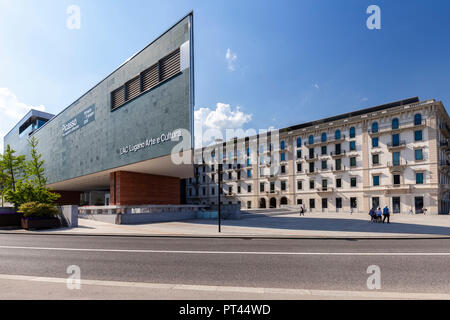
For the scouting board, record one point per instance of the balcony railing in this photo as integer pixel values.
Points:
(400, 144)
(338, 154)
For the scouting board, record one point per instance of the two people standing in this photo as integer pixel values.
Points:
(376, 214)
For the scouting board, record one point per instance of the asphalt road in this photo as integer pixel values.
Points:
(415, 265)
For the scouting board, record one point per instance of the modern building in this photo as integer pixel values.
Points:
(114, 144)
(396, 154)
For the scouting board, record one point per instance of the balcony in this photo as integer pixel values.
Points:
(402, 127)
(316, 171)
(315, 158)
(318, 142)
(401, 144)
(325, 190)
(397, 166)
(398, 188)
(340, 169)
(445, 130)
(335, 154)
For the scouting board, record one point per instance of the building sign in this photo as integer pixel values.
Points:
(164, 137)
(79, 121)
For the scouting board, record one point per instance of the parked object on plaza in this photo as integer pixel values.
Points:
(39, 216)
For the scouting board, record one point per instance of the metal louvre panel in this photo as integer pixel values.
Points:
(117, 97)
(133, 88)
(170, 65)
(150, 77)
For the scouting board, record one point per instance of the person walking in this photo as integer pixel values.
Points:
(386, 214)
(372, 215)
(379, 214)
(302, 210)
(410, 211)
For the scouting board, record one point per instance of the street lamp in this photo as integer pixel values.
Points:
(219, 170)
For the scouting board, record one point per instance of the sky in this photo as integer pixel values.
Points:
(258, 64)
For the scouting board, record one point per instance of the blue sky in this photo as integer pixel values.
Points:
(289, 61)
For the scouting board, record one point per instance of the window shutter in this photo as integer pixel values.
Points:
(170, 65)
(150, 77)
(133, 88)
(117, 97)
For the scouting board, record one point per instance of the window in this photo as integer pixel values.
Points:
(418, 153)
(353, 162)
(312, 204)
(395, 123)
(353, 182)
(417, 119)
(396, 179)
(299, 201)
(283, 156)
(374, 127)
(299, 185)
(324, 184)
(419, 177)
(311, 139)
(418, 135)
(352, 145)
(338, 203)
(324, 137)
(311, 184)
(376, 180)
(311, 153)
(133, 88)
(396, 158)
(337, 148)
(230, 190)
(352, 132)
(249, 204)
(375, 142)
(261, 187)
(283, 169)
(213, 191)
(337, 134)
(299, 142)
(117, 97)
(338, 164)
(353, 203)
(248, 162)
(272, 186)
(396, 139)
(324, 164)
(375, 159)
(324, 150)
(299, 154)
(249, 188)
(283, 185)
(299, 167)
(338, 183)
(324, 203)
(248, 152)
(170, 65)
(150, 77)
(239, 189)
(311, 167)
(230, 175)
(282, 145)
(249, 173)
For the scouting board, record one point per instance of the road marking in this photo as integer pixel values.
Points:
(235, 252)
(295, 293)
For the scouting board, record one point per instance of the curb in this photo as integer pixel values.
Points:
(243, 236)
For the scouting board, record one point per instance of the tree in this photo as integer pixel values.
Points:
(34, 168)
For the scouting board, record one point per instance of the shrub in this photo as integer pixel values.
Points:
(36, 209)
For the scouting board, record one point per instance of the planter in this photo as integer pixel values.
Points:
(10, 219)
(40, 223)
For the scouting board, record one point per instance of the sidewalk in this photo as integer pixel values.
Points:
(274, 225)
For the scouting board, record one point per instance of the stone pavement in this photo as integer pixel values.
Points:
(277, 224)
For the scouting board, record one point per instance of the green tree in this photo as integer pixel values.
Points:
(34, 168)
(12, 167)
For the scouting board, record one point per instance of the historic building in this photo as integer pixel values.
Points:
(394, 154)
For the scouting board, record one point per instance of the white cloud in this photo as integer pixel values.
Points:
(316, 86)
(209, 122)
(11, 111)
(231, 57)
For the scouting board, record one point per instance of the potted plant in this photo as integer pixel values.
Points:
(39, 216)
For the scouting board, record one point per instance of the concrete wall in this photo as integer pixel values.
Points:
(96, 146)
(69, 216)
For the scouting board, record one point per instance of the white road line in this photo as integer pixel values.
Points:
(234, 252)
(296, 293)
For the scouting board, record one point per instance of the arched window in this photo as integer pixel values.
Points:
(337, 134)
(417, 119)
(352, 132)
(299, 142)
(374, 127)
(311, 139)
(395, 123)
(324, 136)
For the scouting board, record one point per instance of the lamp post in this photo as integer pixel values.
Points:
(219, 171)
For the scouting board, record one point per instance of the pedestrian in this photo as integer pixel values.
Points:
(386, 214)
(351, 211)
(302, 210)
(379, 214)
(424, 210)
(372, 215)
(410, 211)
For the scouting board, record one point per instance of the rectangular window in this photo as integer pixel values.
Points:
(353, 162)
(283, 185)
(324, 164)
(213, 191)
(283, 169)
(353, 182)
(299, 154)
(311, 153)
(396, 158)
(299, 142)
(353, 203)
(324, 150)
(324, 203)
(312, 204)
(118, 97)
(311, 167)
(299, 201)
(249, 188)
(272, 186)
(418, 154)
(249, 173)
(170, 65)
(239, 189)
(418, 135)
(376, 180)
(396, 179)
(338, 148)
(338, 203)
(133, 88)
(396, 204)
(324, 184)
(375, 159)
(283, 156)
(299, 185)
(338, 164)
(419, 178)
(375, 142)
(311, 184)
(249, 204)
(150, 77)
(299, 167)
(396, 139)
(261, 187)
(352, 145)
(338, 183)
